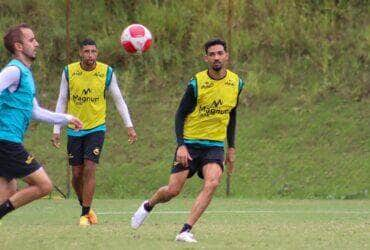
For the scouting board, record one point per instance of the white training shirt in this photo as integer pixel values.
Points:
(113, 90)
(9, 79)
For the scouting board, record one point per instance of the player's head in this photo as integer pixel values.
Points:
(216, 53)
(88, 52)
(20, 41)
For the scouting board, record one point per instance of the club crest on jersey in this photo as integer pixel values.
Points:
(96, 151)
(29, 159)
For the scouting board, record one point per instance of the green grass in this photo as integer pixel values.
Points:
(228, 223)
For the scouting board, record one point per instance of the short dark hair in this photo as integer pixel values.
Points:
(14, 35)
(214, 41)
(87, 41)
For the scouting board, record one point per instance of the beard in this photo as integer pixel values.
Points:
(30, 56)
(217, 67)
(89, 63)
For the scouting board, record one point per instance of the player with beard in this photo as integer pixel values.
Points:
(83, 89)
(18, 105)
(205, 117)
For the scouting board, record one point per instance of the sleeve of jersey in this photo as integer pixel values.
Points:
(186, 106)
(9, 78)
(62, 99)
(119, 101)
(231, 127)
(45, 115)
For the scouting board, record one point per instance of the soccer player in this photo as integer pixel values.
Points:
(18, 105)
(206, 115)
(83, 89)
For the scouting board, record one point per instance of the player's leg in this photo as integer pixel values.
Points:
(16, 162)
(39, 185)
(88, 186)
(212, 175)
(211, 168)
(93, 144)
(76, 160)
(163, 194)
(178, 177)
(77, 181)
(7, 188)
(173, 189)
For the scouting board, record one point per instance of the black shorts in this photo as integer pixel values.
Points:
(15, 161)
(201, 156)
(85, 147)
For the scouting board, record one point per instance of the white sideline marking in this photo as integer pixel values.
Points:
(250, 212)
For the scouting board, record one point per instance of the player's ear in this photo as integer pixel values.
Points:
(80, 52)
(18, 46)
(205, 58)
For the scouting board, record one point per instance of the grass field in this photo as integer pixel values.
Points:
(227, 224)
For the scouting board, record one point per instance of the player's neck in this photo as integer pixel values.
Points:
(217, 75)
(25, 60)
(87, 67)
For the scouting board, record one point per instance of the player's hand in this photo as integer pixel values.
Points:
(77, 123)
(55, 140)
(132, 136)
(230, 159)
(183, 156)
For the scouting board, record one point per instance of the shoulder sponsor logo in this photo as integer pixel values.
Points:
(207, 85)
(77, 73)
(230, 83)
(99, 74)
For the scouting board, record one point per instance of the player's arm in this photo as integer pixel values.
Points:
(60, 108)
(122, 108)
(231, 131)
(230, 154)
(45, 115)
(187, 105)
(9, 78)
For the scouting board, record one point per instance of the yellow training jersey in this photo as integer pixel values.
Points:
(215, 100)
(87, 93)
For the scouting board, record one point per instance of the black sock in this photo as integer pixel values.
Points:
(5, 208)
(186, 228)
(85, 210)
(80, 201)
(147, 207)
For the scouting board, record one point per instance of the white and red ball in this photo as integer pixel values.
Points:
(136, 38)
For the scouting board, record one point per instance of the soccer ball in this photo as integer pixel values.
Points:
(136, 38)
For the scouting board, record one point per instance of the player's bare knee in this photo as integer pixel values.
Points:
(12, 191)
(211, 184)
(45, 188)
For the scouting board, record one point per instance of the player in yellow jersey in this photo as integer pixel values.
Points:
(205, 117)
(83, 90)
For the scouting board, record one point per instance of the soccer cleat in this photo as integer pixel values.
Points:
(84, 221)
(186, 237)
(93, 219)
(139, 216)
